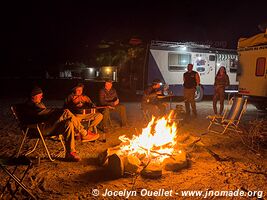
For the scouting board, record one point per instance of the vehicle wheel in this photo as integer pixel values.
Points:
(199, 94)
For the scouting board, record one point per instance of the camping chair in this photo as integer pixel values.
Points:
(230, 119)
(33, 131)
(145, 115)
(10, 190)
(87, 123)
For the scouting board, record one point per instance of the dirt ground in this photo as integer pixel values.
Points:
(241, 169)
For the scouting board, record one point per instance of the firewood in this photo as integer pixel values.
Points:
(176, 163)
(115, 166)
(103, 158)
(131, 164)
(152, 170)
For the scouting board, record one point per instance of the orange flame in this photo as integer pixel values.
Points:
(156, 141)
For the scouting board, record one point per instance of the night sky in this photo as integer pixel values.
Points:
(53, 32)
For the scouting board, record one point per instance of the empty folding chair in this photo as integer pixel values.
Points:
(33, 131)
(231, 117)
(15, 182)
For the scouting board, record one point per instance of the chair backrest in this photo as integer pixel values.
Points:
(22, 115)
(17, 111)
(237, 109)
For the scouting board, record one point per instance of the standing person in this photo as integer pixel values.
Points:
(108, 97)
(221, 81)
(150, 100)
(191, 82)
(77, 101)
(57, 121)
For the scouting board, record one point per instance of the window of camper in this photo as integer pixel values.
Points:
(211, 58)
(233, 65)
(178, 62)
(260, 66)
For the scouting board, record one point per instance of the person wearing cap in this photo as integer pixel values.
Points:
(191, 82)
(150, 100)
(57, 121)
(108, 97)
(76, 101)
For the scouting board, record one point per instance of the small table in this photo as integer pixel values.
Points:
(167, 96)
(229, 92)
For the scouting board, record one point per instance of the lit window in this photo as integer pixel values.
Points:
(178, 62)
(260, 66)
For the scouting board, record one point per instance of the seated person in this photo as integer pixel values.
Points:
(108, 97)
(151, 102)
(77, 101)
(57, 121)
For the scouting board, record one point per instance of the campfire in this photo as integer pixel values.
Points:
(156, 142)
(150, 153)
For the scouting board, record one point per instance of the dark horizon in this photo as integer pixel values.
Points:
(49, 33)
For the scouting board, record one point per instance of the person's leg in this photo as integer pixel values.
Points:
(69, 136)
(75, 120)
(106, 117)
(215, 98)
(122, 112)
(95, 118)
(85, 135)
(66, 128)
(186, 101)
(192, 101)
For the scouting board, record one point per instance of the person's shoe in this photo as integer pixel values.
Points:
(90, 137)
(72, 157)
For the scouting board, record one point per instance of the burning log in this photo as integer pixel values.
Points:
(149, 153)
(132, 164)
(153, 170)
(176, 163)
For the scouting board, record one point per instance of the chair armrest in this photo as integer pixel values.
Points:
(214, 117)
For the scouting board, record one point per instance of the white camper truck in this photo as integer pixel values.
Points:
(253, 69)
(168, 62)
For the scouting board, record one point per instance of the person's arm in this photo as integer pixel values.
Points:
(197, 79)
(151, 95)
(86, 99)
(215, 81)
(116, 97)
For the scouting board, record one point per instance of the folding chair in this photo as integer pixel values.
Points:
(178, 114)
(231, 118)
(33, 131)
(145, 115)
(10, 190)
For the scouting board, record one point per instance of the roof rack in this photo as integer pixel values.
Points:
(157, 43)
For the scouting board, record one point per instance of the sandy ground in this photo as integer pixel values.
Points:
(241, 170)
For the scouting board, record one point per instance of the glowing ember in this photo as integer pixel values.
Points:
(156, 141)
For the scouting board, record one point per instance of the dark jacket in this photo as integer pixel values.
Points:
(190, 80)
(107, 98)
(150, 96)
(37, 113)
(75, 103)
